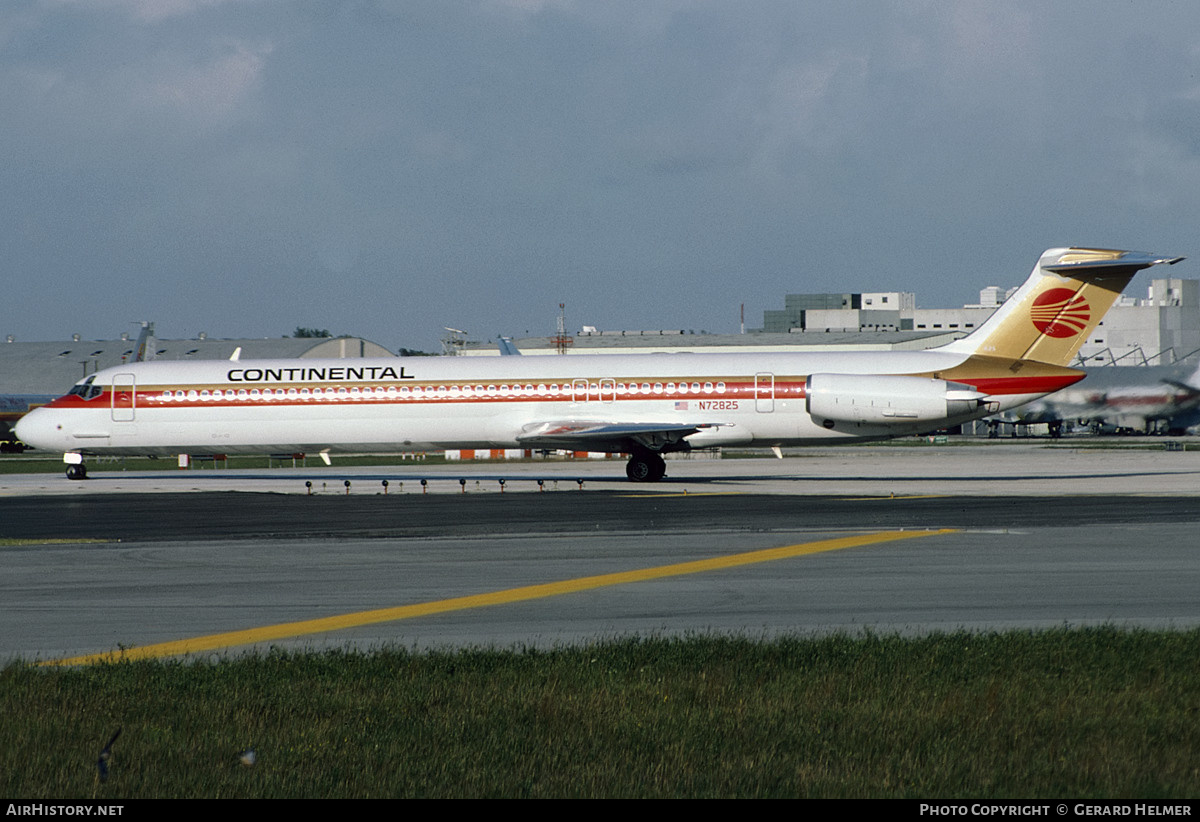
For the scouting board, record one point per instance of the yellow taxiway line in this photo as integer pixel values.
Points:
(290, 630)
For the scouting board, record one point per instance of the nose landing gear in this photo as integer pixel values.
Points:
(77, 471)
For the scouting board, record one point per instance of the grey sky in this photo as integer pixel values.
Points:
(380, 168)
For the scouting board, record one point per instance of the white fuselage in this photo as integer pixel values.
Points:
(426, 403)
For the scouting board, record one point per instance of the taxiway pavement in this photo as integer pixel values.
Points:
(1011, 468)
(958, 537)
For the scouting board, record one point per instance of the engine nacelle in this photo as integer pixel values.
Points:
(888, 401)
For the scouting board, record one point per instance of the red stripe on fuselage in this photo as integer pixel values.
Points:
(430, 393)
(466, 393)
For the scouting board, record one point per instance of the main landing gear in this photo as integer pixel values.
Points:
(77, 471)
(645, 466)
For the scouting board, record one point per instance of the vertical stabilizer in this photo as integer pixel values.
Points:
(1062, 302)
(146, 343)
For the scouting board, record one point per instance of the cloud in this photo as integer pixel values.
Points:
(213, 90)
(144, 11)
(546, 150)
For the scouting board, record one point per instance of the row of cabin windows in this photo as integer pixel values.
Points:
(452, 391)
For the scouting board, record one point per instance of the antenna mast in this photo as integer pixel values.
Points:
(562, 339)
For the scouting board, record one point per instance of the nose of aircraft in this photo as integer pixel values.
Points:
(40, 429)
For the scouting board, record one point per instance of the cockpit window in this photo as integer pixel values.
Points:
(86, 390)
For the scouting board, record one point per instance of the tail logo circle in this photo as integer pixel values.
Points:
(1060, 312)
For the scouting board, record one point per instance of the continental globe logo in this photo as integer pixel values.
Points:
(1060, 312)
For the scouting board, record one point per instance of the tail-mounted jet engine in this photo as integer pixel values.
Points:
(866, 400)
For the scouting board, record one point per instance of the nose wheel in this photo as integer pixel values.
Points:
(77, 471)
(645, 466)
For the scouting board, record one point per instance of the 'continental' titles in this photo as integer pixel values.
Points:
(310, 374)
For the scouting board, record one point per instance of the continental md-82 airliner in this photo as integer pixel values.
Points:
(644, 405)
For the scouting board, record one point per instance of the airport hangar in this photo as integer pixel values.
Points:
(33, 373)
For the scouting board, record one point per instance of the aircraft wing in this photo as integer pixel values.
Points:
(608, 436)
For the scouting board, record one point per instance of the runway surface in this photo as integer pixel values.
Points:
(983, 467)
(742, 551)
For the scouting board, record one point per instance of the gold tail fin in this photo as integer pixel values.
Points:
(1062, 302)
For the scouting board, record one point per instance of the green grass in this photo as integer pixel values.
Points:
(1076, 714)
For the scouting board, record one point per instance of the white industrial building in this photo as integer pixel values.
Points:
(1161, 329)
